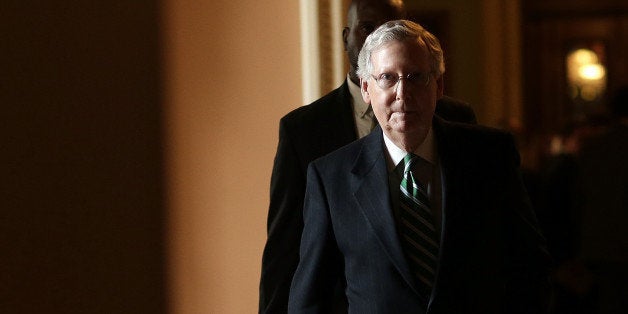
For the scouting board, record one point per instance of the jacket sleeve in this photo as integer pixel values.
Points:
(320, 265)
(284, 226)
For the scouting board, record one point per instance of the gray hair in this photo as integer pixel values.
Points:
(400, 30)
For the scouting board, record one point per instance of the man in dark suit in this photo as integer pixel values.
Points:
(421, 215)
(312, 131)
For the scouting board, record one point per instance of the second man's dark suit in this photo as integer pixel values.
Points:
(305, 134)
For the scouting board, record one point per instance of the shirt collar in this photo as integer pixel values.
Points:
(360, 107)
(426, 150)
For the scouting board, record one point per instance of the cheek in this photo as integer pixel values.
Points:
(381, 116)
(359, 37)
(382, 107)
(382, 101)
(357, 40)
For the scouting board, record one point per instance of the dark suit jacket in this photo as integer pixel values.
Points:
(492, 256)
(305, 134)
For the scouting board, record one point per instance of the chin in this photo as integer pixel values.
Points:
(404, 128)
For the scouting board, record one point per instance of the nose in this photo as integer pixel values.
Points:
(401, 90)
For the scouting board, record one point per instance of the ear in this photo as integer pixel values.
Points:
(440, 87)
(364, 85)
(345, 36)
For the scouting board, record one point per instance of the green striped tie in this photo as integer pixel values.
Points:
(417, 231)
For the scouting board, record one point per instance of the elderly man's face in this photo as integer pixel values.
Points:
(404, 110)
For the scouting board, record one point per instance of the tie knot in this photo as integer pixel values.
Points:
(409, 160)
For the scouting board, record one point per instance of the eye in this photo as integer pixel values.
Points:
(387, 77)
(387, 80)
(367, 28)
(417, 78)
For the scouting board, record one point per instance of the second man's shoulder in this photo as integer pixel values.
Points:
(335, 102)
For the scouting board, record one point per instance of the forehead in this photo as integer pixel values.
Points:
(375, 11)
(403, 56)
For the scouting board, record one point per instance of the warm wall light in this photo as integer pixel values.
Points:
(591, 72)
(586, 75)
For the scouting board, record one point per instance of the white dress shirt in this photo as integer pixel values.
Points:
(427, 171)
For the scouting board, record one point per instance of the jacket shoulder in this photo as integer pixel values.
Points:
(476, 141)
(472, 131)
(343, 158)
(323, 108)
(453, 109)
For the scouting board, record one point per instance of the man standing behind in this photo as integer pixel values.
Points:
(312, 131)
(421, 215)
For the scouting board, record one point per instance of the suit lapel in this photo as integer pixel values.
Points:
(374, 198)
(347, 121)
(343, 125)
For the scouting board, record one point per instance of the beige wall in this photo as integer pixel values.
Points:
(232, 70)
